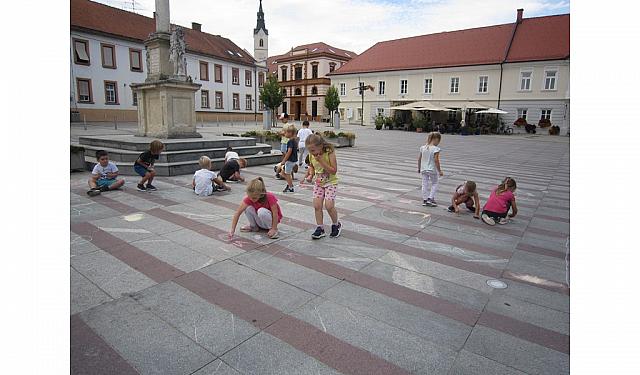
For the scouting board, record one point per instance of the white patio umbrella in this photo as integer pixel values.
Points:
(494, 111)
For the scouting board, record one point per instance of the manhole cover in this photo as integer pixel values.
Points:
(497, 284)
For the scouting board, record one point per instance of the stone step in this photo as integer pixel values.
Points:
(133, 143)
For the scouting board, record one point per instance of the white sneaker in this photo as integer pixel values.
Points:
(487, 219)
(503, 221)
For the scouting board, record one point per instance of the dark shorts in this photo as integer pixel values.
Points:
(142, 171)
(498, 215)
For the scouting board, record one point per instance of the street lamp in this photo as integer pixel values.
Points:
(361, 89)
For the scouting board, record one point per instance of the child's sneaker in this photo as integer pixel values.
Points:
(451, 209)
(319, 233)
(288, 189)
(488, 219)
(93, 192)
(151, 187)
(503, 221)
(335, 230)
(141, 187)
(471, 209)
(431, 203)
(104, 188)
(425, 202)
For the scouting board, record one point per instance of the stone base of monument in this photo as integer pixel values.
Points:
(180, 156)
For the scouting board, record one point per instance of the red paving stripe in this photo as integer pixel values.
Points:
(151, 197)
(90, 354)
(546, 232)
(152, 267)
(109, 202)
(540, 250)
(301, 335)
(526, 331)
(552, 218)
(553, 207)
(503, 254)
(537, 281)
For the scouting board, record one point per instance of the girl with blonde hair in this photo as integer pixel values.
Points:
(429, 168)
(500, 202)
(261, 209)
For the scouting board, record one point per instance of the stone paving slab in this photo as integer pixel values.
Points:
(85, 294)
(469, 363)
(217, 367)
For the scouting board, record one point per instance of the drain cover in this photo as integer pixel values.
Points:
(497, 284)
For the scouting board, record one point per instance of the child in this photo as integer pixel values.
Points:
(204, 178)
(144, 165)
(499, 203)
(261, 209)
(231, 170)
(283, 140)
(104, 176)
(290, 157)
(323, 167)
(429, 168)
(278, 168)
(467, 194)
(302, 137)
(230, 154)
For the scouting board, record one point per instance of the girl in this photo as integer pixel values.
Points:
(499, 202)
(467, 194)
(290, 157)
(261, 208)
(429, 168)
(323, 167)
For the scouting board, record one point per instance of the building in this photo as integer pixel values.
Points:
(521, 67)
(107, 54)
(302, 74)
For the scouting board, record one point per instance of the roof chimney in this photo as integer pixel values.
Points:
(519, 18)
(196, 26)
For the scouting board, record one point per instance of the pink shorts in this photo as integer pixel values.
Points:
(328, 192)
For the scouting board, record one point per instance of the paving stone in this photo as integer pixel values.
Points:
(423, 323)
(80, 245)
(537, 269)
(557, 226)
(217, 367)
(110, 274)
(410, 219)
(457, 252)
(514, 352)
(212, 327)
(120, 228)
(538, 260)
(267, 289)
(265, 354)
(394, 345)
(144, 340)
(84, 294)
(176, 255)
(487, 232)
(198, 211)
(528, 312)
(473, 236)
(210, 247)
(469, 363)
(538, 296)
(150, 223)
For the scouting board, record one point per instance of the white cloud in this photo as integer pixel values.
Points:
(350, 24)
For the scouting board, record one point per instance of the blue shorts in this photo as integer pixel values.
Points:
(140, 170)
(283, 148)
(288, 166)
(105, 182)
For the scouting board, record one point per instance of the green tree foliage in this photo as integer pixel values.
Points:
(332, 100)
(271, 95)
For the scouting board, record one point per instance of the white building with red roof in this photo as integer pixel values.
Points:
(108, 54)
(521, 67)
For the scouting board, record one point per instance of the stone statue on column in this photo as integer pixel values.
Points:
(177, 51)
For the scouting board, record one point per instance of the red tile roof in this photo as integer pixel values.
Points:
(312, 48)
(540, 38)
(94, 17)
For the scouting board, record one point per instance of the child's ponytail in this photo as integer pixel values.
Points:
(507, 184)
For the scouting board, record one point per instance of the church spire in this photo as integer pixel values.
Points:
(260, 23)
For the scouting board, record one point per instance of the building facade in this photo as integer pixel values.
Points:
(107, 54)
(302, 74)
(522, 68)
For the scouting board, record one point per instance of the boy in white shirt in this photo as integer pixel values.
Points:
(231, 155)
(104, 176)
(204, 178)
(303, 133)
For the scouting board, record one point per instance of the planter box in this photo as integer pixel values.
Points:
(77, 160)
(340, 142)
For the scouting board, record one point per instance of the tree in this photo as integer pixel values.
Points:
(271, 95)
(332, 101)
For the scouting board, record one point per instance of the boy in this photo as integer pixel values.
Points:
(230, 154)
(104, 176)
(144, 165)
(290, 157)
(231, 170)
(302, 137)
(203, 179)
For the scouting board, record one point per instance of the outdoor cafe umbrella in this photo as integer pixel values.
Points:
(494, 111)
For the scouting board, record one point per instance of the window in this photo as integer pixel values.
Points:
(81, 52)
(332, 67)
(236, 101)
(135, 60)
(522, 113)
(84, 91)
(260, 79)
(298, 72)
(359, 113)
(219, 100)
(454, 86)
(545, 114)
(428, 85)
(110, 92)
(284, 73)
(260, 105)
(343, 89)
(284, 92)
(341, 113)
(314, 71)
(314, 108)
(298, 91)
(235, 76)
(204, 99)
(452, 115)
(217, 72)
(380, 111)
(550, 79)
(204, 71)
(247, 102)
(525, 80)
(284, 107)
(247, 78)
(381, 87)
(135, 99)
(261, 43)
(108, 55)
(314, 90)
(403, 86)
(483, 84)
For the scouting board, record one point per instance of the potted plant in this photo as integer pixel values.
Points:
(544, 123)
(530, 128)
(420, 125)
(379, 122)
(554, 130)
(77, 158)
(349, 137)
(520, 122)
(388, 122)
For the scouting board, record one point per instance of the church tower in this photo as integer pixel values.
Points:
(261, 39)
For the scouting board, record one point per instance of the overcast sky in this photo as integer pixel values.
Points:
(349, 24)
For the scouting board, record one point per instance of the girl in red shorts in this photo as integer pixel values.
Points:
(323, 170)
